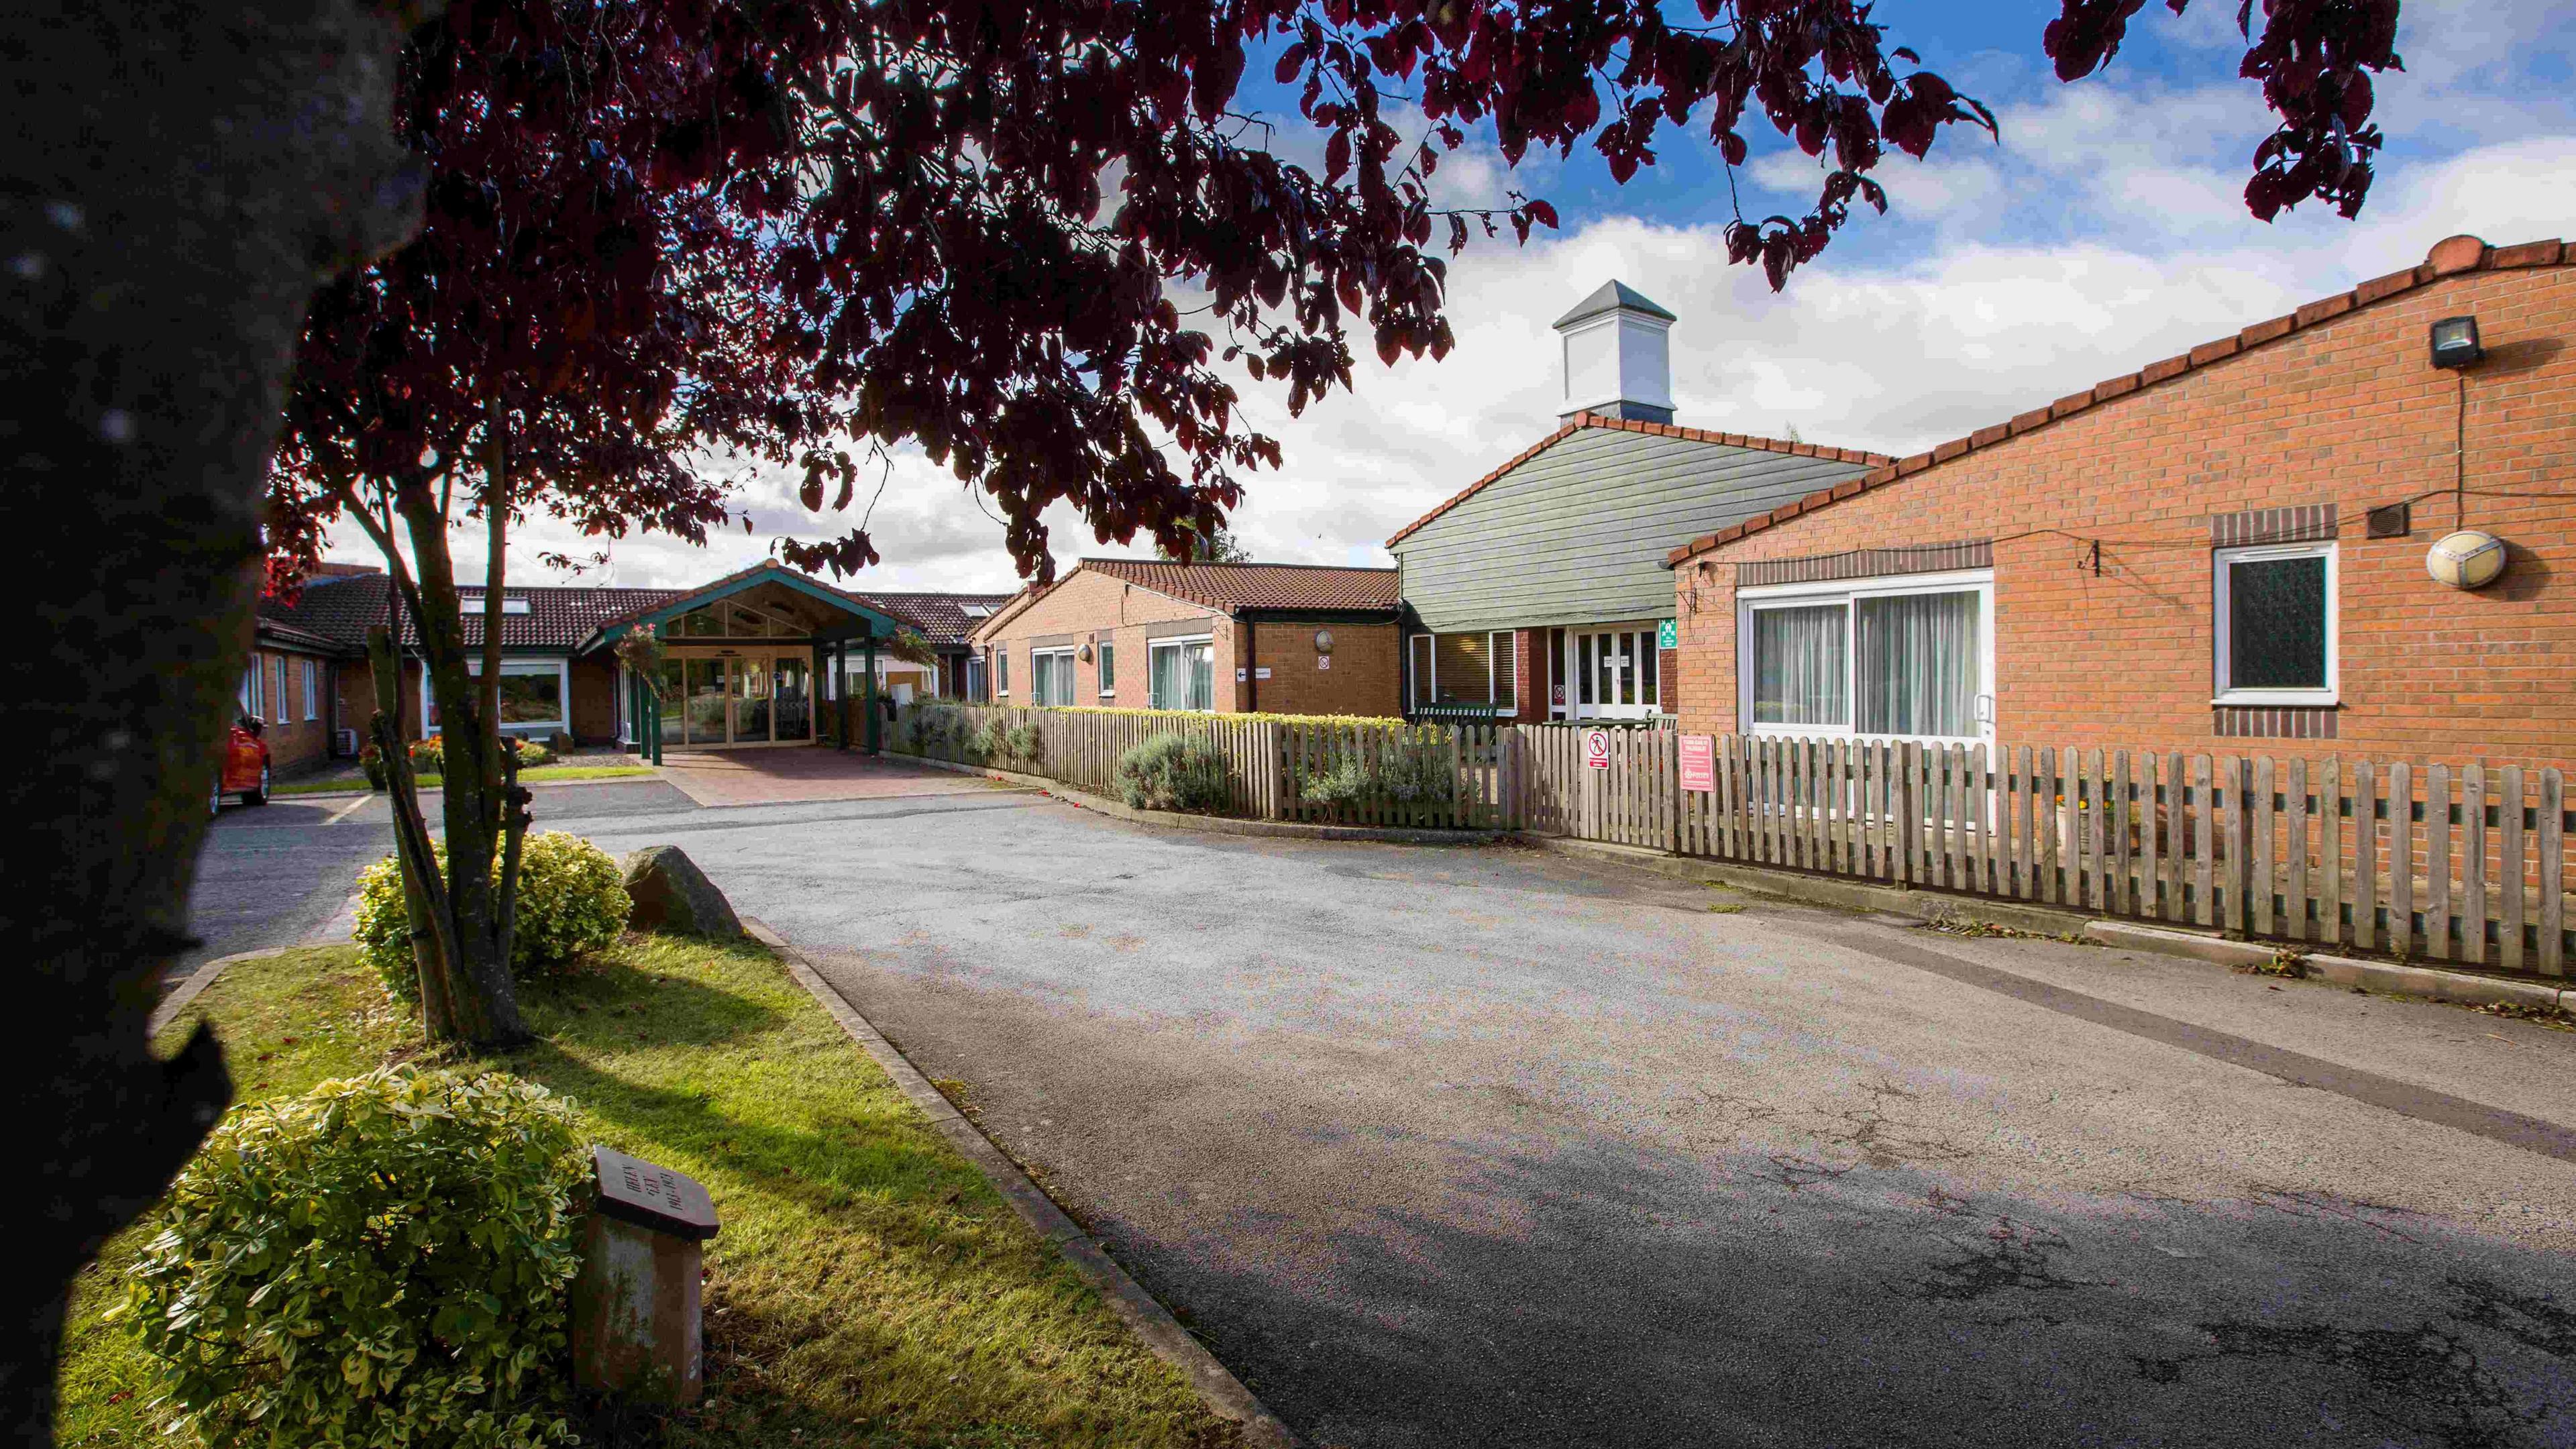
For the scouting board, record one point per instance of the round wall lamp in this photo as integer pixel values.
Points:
(1323, 641)
(2467, 559)
(1086, 654)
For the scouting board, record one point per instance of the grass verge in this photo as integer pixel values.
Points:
(539, 775)
(869, 1289)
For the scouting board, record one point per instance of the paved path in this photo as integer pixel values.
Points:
(785, 776)
(1490, 1147)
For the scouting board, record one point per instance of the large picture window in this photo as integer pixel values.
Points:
(1907, 658)
(1181, 674)
(2275, 624)
(532, 695)
(1469, 669)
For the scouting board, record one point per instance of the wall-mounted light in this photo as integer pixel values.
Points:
(1323, 641)
(2455, 342)
(1086, 654)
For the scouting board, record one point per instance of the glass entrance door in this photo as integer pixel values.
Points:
(751, 700)
(794, 712)
(1614, 672)
(702, 707)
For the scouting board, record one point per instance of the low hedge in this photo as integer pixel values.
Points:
(384, 1261)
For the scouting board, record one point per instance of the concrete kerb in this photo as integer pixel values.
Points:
(1217, 824)
(1150, 1320)
(198, 980)
(2430, 982)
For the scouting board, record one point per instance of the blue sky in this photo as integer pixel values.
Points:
(2103, 230)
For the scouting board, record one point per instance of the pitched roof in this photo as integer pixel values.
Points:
(1610, 297)
(1583, 420)
(558, 617)
(1235, 587)
(941, 618)
(2450, 257)
(339, 608)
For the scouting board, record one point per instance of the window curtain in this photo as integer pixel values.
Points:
(1165, 685)
(1798, 666)
(1202, 675)
(1918, 665)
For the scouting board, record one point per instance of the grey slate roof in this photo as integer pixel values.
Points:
(941, 618)
(1610, 297)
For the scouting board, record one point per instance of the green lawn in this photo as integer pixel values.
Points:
(868, 1289)
(341, 784)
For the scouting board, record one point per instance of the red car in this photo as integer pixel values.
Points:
(244, 769)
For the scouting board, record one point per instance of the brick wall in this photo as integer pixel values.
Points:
(1087, 608)
(2345, 409)
(295, 744)
(1365, 677)
(593, 686)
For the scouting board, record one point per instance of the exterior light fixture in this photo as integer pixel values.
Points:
(1086, 654)
(1323, 641)
(2467, 559)
(2455, 342)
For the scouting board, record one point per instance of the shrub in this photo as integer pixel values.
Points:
(371, 760)
(428, 757)
(572, 901)
(531, 754)
(1413, 769)
(383, 1261)
(1172, 771)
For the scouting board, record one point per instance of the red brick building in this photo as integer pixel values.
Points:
(2226, 546)
(1236, 638)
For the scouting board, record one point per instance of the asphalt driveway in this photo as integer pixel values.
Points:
(1493, 1147)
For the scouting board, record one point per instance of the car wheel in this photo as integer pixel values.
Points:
(215, 801)
(259, 795)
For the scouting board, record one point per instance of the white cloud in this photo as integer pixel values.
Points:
(2106, 231)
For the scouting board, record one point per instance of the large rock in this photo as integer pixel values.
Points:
(672, 894)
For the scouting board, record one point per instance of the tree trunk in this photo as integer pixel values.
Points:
(424, 886)
(176, 183)
(485, 1001)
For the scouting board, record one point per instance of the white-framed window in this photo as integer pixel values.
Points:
(1473, 668)
(312, 690)
(536, 695)
(254, 677)
(1051, 677)
(510, 604)
(1107, 654)
(1001, 671)
(280, 706)
(1181, 673)
(2275, 621)
(975, 677)
(1906, 657)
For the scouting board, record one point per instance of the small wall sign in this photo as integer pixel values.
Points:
(1241, 675)
(1596, 749)
(1668, 634)
(1699, 763)
(1323, 661)
(1261, 671)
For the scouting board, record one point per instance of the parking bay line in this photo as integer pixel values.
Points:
(2513, 1129)
(345, 811)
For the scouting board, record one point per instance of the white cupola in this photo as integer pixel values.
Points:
(1618, 359)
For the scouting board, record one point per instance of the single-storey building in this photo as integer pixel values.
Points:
(751, 654)
(1230, 638)
(1538, 591)
(2223, 548)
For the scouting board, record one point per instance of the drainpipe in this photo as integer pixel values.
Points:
(1252, 662)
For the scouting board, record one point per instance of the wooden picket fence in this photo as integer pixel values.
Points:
(1457, 770)
(2456, 863)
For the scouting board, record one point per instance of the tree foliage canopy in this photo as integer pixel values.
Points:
(658, 226)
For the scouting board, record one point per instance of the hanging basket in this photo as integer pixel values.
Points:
(642, 653)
